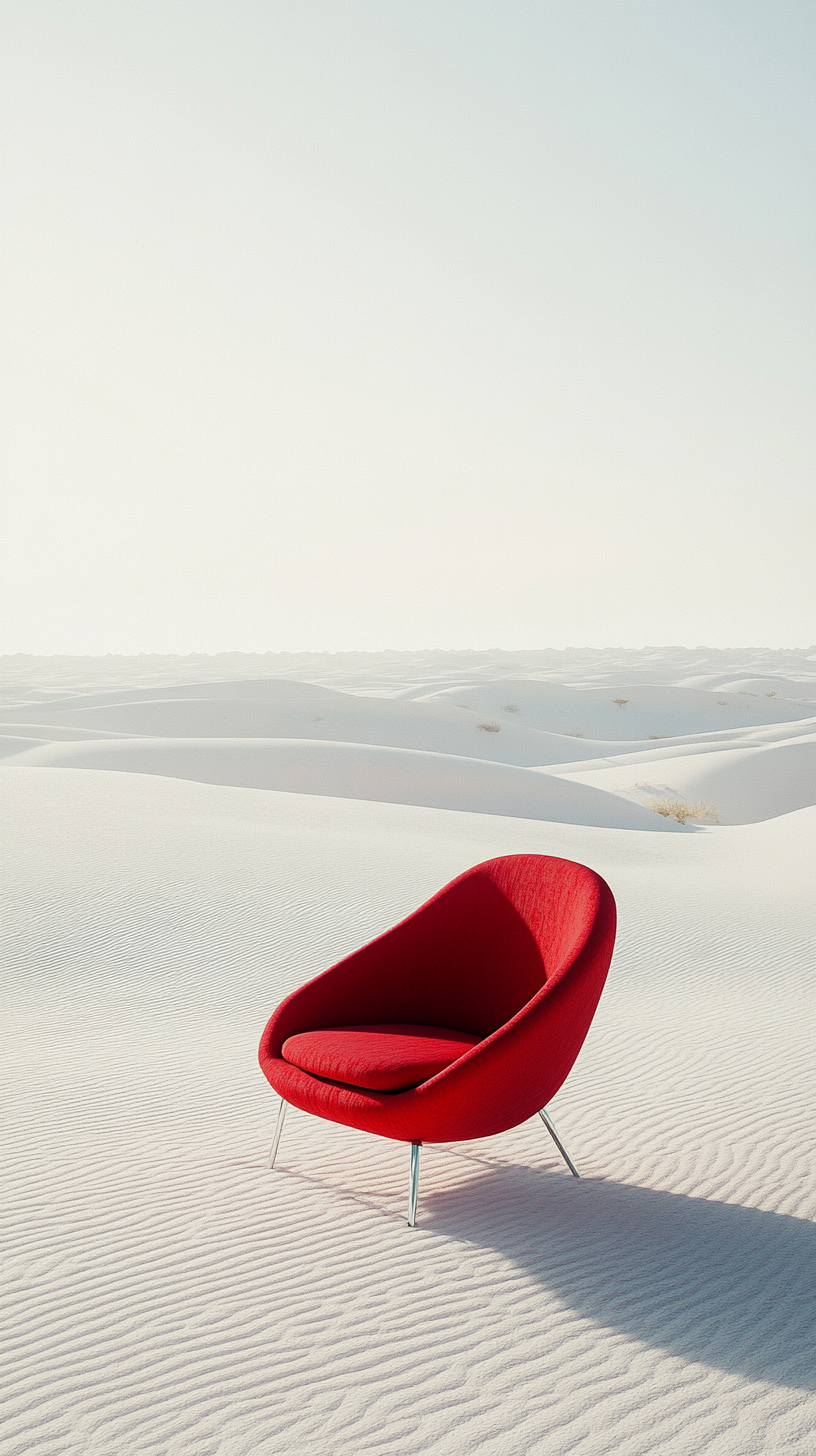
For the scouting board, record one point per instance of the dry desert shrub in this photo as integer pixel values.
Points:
(510, 708)
(770, 695)
(657, 735)
(490, 727)
(620, 701)
(681, 811)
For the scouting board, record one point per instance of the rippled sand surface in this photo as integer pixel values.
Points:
(169, 1296)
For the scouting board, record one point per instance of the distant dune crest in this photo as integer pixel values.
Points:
(585, 737)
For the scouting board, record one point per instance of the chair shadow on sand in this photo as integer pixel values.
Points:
(723, 1285)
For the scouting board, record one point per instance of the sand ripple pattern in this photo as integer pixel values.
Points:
(166, 1296)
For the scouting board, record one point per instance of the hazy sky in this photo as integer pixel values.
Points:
(437, 323)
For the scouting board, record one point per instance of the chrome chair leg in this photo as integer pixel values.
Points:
(273, 1151)
(413, 1188)
(550, 1126)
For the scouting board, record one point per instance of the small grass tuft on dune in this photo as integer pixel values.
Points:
(681, 811)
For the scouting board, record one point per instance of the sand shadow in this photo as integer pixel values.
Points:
(717, 1283)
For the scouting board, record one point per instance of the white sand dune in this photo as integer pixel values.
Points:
(743, 784)
(294, 710)
(9, 745)
(271, 692)
(688, 744)
(168, 1296)
(56, 732)
(796, 689)
(639, 711)
(484, 723)
(355, 771)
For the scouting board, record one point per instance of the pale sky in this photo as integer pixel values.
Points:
(407, 323)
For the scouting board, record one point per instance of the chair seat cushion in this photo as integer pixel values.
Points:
(377, 1058)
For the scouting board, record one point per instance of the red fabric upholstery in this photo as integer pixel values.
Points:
(377, 1058)
(515, 952)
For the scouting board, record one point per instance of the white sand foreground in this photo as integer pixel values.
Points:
(169, 1296)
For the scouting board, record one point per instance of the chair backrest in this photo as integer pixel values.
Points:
(476, 953)
(502, 930)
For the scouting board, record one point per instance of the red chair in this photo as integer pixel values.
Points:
(460, 1022)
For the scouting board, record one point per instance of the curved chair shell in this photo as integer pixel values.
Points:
(515, 950)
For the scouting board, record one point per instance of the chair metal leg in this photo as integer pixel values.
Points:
(273, 1151)
(413, 1189)
(550, 1126)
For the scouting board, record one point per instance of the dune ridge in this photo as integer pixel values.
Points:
(458, 747)
(356, 771)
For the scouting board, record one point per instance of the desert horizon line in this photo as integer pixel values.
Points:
(413, 651)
